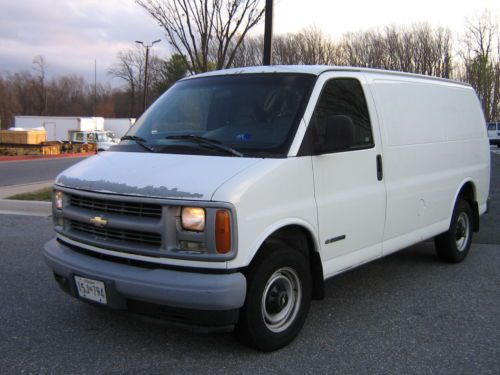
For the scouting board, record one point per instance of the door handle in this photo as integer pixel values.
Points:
(380, 172)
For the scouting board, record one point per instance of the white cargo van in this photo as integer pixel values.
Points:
(239, 192)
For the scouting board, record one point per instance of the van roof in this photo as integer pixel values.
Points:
(316, 70)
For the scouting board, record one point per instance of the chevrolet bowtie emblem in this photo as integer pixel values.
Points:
(98, 221)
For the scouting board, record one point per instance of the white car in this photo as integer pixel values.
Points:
(494, 133)
(239, 192)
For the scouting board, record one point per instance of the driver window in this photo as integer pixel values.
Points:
(342, 112)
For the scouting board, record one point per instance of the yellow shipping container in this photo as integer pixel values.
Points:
(26, 137)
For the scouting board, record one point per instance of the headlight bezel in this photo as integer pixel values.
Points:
(209, 240)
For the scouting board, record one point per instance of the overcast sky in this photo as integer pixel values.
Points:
(70, 34)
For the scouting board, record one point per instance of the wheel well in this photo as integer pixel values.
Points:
(301, 239)
(468, 193)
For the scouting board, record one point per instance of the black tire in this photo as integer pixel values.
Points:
(282, 279)
(453, 245)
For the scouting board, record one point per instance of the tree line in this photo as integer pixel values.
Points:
(214, 34)
(32, 93)
(473, 58)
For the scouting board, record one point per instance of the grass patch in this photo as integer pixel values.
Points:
(38, 195)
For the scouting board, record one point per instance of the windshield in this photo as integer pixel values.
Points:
(105, 137)
(252, 114)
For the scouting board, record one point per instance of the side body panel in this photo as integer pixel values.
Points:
(269, 195)
(434, 142)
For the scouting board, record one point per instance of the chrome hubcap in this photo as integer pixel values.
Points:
(281, 299)
(462, 231)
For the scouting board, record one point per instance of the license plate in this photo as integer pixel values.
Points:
(91, 289)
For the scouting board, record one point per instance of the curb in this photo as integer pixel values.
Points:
(33, 208)
(45, 157)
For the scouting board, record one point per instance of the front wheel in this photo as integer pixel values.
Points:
(278, 299)
(453, 245)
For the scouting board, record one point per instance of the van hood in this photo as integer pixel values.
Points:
(153, 175)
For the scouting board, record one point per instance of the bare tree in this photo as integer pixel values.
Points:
(9, 104)
(250, 52)
(130, 68)
(481, 55)
(418, 49)
(309, 46)
(40, 68)
(206, 33)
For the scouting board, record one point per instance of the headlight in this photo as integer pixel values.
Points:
(58, 200)
(193, 219)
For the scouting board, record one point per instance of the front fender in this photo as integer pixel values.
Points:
(256, 245)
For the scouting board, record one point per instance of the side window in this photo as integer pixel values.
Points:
(492, 126)
(341, 118)
(91, 137)
(79, 137)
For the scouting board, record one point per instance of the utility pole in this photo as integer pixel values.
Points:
(268, 33)
(145, 91)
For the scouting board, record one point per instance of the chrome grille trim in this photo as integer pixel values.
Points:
(116, 207)
(122, 235)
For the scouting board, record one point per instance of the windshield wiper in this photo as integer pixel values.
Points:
(206, 141)
(140, 141)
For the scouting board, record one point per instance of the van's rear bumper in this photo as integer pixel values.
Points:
(188, 297)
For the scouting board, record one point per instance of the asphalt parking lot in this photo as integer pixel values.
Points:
(403, 314)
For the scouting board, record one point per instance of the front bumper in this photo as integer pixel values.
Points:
(189, 297)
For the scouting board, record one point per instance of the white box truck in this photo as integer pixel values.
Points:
(118, 126)
(239, 192)
(58, 127)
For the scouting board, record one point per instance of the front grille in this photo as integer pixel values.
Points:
(121, 235)
(117, 207)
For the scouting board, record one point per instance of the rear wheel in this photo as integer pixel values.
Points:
(453, 245)
(278, 299)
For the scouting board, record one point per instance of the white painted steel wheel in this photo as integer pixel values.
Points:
(453, 245)
(278, 298)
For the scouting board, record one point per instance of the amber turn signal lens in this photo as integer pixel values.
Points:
(223, 231)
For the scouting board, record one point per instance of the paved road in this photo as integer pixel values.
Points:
(490, 223)
(28, 171)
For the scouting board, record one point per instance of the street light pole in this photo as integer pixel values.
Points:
(268, 33)
(145, 91)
